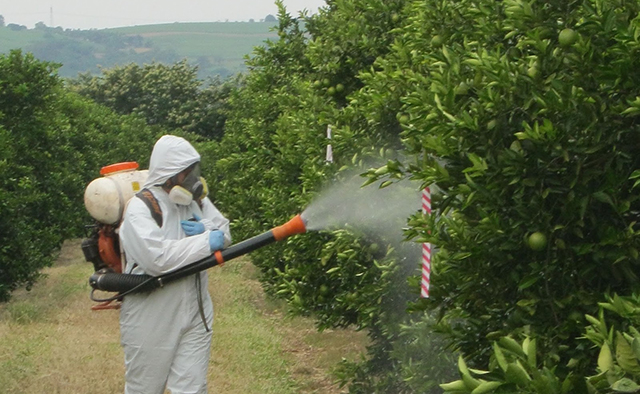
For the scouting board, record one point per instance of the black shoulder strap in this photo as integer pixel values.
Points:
(151, 202)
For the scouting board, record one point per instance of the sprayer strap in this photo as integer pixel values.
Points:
(200, 306)
(150, 201)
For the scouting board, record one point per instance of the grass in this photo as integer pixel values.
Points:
(51, 342)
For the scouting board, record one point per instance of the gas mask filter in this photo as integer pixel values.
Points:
(193, 187)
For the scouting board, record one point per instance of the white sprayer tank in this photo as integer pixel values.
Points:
(105, 198)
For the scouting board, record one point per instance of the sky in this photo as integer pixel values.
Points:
(100, 14)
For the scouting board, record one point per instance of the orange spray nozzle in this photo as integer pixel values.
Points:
(294, 226)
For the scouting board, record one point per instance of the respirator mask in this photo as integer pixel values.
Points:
(193, 187)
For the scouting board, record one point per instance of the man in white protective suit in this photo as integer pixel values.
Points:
(166, 333)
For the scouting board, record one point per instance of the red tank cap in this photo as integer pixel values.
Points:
(117, 167)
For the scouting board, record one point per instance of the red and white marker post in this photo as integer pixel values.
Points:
(426, 248)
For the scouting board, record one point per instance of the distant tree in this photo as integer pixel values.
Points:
(16, 27)
(63, 50)
(270, 18)
(136, 41)
(1, 21)
(170, 96)
(251, 20)
(41, 26)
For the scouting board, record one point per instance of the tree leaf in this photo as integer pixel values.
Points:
(625, 385)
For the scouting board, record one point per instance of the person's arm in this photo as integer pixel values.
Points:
(145, 244)
(214, 220)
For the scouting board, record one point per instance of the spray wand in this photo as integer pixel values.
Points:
(129, 283)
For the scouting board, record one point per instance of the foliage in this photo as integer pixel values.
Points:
(514, 368)
(103, 137)
(521, 134)
(170, 96)
(522, 114)
(53, 144)
(16, 27)
(618, 368)
(60, 48)
(33, 185)
(417, 353)
(274, 148)
(86, 51)
(81, 51)
(517, 367)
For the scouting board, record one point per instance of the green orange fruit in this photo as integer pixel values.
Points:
(537, 241)
(567, 37)
(436, 41)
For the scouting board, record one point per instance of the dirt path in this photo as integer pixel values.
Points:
(50, 342)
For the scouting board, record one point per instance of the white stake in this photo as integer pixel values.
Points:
(329, 158)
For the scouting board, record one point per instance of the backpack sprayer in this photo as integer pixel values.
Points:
(106, 199)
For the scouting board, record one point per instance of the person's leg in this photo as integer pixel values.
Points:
(149, 340)
(188, 374)
(147, 368)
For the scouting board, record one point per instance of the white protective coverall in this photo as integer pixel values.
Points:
(164, 338)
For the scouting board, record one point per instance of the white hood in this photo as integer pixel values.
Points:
(170, 155)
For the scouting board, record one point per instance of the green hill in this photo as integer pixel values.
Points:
(218, 48)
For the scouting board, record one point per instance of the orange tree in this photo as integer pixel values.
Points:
(29, 172)
(272, 165)
(524, 116)
(53, 144)
(273, 159)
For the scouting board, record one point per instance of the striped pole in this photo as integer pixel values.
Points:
(329, 158)
(426, 248)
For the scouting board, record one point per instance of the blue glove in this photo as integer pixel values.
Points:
(216, 240)
(191, 227)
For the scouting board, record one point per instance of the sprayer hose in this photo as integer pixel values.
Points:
(122, 282)
(130, 283)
